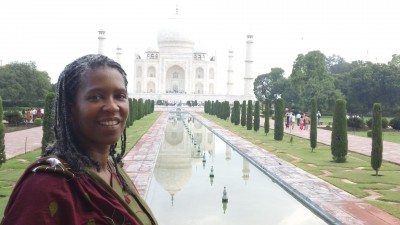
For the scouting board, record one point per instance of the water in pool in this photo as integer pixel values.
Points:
(193, 168)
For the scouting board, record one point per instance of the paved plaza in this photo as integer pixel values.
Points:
(339, 205)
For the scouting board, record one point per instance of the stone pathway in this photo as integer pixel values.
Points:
(19, 142)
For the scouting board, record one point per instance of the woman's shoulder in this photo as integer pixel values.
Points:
(51, 165)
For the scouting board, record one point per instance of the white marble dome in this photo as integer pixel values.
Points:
(176, 34)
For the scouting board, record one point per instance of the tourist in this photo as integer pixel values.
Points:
(292, 120)
(80, 180)
(306, 121)
(301, 124)
(319, 118)
(298, 117)
(34, 112)
(28, 116)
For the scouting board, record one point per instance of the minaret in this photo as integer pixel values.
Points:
(102, 40)
(119, 53)
(248, 73)
(230, 74)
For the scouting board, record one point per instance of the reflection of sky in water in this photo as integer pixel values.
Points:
(253, 197)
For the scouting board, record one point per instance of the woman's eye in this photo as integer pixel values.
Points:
(95, 97)
(122, 96)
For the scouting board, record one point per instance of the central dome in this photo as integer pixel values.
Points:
(175, 34)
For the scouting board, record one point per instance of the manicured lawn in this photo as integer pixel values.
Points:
(13, 168)
(354, 176)
(392, 136)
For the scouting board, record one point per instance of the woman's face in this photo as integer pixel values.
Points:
(100, 109)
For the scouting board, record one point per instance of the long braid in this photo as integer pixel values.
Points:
(117, 160)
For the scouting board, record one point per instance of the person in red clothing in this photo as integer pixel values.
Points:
(80, 180)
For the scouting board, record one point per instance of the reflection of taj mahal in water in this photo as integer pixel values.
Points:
(177, 72)
(179, 155)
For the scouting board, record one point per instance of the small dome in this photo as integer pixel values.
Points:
(150, 49)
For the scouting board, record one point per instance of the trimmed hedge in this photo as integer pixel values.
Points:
(313, 125)
(377, 143)
(279, 114)
(339, 141)
(249, 122)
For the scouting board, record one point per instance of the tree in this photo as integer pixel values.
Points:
(227, 110)
(339, 142)
(337, 65)
(236, 109)
(395, 62)
(140, 108)
(377, 145)
(49, 136)
(243, 116)
(268, 85)
(395, 123)
(257, 116)
(2, 131)
(233, 114)
(279, 114)
(313, 127)
(249, 121)
(135, 106)
(310, 78)
(23, 82)
(130, 118)
(266, 117)
(368, 83)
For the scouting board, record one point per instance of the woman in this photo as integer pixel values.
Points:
(80, 181)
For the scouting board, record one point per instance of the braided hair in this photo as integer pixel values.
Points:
(66, 146)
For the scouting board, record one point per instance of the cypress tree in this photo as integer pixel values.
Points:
(227, 110)
(377, 145)
(313, 125)
(339, 143)
(135, 106)
(140, 108)
(243, 116)
(48, 122)
(130, 117)
(2, 133)
(232, 117)
(236, 108)
(257, 116)
(279, 114)
(266, 117)
(249, 122)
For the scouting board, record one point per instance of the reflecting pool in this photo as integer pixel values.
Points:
(193, 168)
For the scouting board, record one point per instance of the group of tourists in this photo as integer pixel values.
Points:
(301, 120)
(32, 114)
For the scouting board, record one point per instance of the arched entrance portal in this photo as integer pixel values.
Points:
(175, 82)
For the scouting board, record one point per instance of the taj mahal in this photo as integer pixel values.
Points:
(177, 72)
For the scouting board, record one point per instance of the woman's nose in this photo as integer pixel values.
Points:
(111, 105)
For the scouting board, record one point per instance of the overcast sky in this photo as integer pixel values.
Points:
(54, 32)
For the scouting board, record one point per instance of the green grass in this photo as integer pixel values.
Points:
(356, 169)
(13, 168)
(391, 136)
(139, 128)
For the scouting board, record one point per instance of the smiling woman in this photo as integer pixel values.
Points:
(80, 180)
